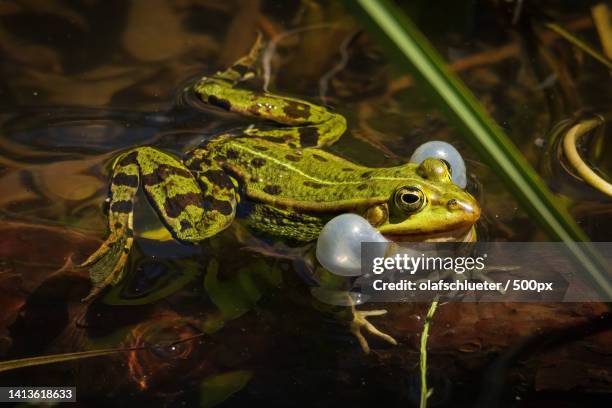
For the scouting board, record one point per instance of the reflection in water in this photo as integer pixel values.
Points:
(172, 353)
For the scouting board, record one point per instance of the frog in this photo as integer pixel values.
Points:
(277, 177)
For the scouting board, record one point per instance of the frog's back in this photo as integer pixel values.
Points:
(308, 178)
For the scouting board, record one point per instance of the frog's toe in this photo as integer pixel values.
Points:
(360, 322)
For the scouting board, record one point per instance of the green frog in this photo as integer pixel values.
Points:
(275, 176)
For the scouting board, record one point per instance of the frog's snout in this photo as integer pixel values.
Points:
(467, 206)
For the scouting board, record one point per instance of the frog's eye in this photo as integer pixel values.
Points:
(448, 167)
(409, 199)
(435, 170)
(446, 153)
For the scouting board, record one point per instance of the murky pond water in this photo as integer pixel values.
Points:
(221, 322)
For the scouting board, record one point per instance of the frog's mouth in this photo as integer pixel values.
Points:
(462, 234)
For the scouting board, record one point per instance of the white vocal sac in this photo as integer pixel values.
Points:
(339, 244)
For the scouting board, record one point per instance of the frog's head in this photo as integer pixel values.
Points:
(427, 206)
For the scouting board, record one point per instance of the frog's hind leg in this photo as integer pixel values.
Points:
(176, 195)
(106, 264)
(307, 124)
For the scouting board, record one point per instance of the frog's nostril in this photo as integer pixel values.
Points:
(461, 205)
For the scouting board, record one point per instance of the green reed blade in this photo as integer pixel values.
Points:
(412, 50)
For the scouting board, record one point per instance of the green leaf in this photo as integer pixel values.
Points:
(228, 296)
(214, 390)
(412, 50)
(237, 295)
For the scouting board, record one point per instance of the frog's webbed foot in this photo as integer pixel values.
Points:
(246, 67)
(107, 264)
(360, 323)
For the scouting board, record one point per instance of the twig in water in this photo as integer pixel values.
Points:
(266, 59)
(344, 57)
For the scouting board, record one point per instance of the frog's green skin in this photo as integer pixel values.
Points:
(277, 177)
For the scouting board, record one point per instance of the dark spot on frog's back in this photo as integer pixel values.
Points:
(185, 225)
(347, 169)
(312, 184)
(277, 139)
(196, 163)
(367, 174)
(258, 162)
(203, 186)
(131, 158)
(213, 204)
(362, 186)
(272, 189)
(221, 103)
(292, 158)
(232, 154)
(122, 179)
(309, 136)
(297, 110)
(261, 148)
(319, 157)
(175, 205)
(162, 172)
(219, 178)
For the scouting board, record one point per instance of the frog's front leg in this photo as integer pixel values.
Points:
(191, 208)
(334, 290)
(360, 323)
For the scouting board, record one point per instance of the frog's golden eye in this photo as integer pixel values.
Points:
(435, 170)
(409, 199)
(448, 167)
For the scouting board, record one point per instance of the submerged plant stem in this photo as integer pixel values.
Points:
(571, 153)
(57, 358)
(425, 392)
(601, 18)
(61, 358)
(577, 42)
